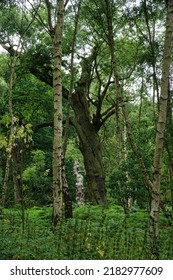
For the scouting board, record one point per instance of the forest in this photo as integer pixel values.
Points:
(86, 130)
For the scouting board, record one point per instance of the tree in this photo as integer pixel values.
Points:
(157, 162)
(154, 186)
(16, 135)
(57, 140)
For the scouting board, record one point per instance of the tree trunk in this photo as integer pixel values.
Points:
(89, 145)
(155, 202)
(68, 211)
(65, 187)
(11, 140)
(118, 95)
(57, 140)
(17, 163)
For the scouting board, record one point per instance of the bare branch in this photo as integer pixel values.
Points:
(65, 4)
(39, 18)
(108, 113)
(49, 15)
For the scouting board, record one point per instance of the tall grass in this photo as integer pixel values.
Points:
(93, 233)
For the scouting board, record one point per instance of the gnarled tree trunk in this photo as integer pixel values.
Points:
(89, 145)
(89, 142)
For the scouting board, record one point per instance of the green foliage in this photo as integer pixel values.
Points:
(3, 88)
(36, 180)
(93, 233)
(10, 21)
(31, 173)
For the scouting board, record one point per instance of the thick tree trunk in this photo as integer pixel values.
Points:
(91, 152)
(89, 145)
(57, 141)
(94, 169)
(155, 202)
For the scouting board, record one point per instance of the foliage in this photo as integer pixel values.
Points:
(93, 233)
(37, 177)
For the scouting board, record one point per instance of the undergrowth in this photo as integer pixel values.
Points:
(92, 233)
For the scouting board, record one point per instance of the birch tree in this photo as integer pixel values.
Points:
(55, 30)
(13, 61)
(57, 140)
(159, 141)
(152, 186)
(13, 158)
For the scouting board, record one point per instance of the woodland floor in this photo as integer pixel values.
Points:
(92, 233)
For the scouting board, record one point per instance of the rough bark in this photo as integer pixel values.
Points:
(89, 143)
(57, 139)
(157, 162)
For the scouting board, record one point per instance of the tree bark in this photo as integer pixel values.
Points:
(89, 142)
(17, 162)
(13, 61)
(157, 162)
(57, 140)
(66, 190)
(89, 145)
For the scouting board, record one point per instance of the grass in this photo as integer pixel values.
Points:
(92, 233)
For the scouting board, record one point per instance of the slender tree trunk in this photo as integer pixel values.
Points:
(65, 187)
(12, 129)
(116, 81)
(67, 124)
(118, 97)
(157, 163)
(5, 183)
(57, 140)
(66, 195)
(128, 202)
(171, 183)
(148, 182)
(17, 163)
